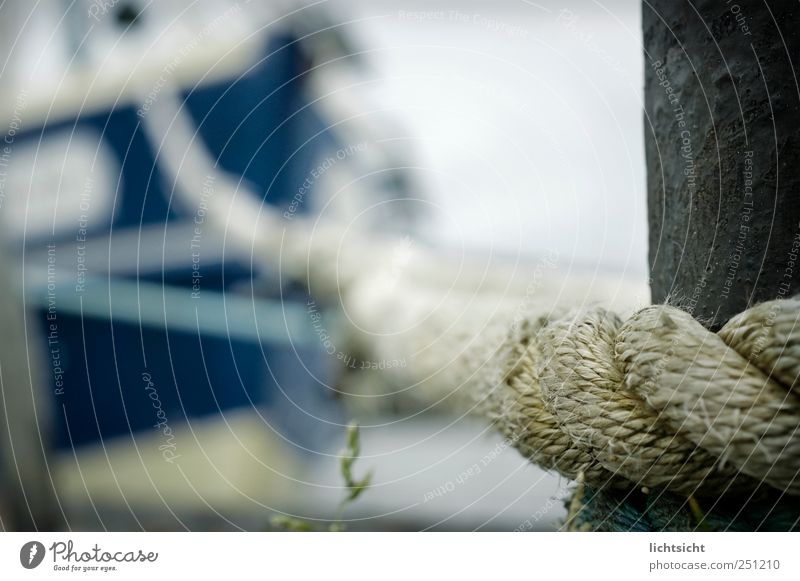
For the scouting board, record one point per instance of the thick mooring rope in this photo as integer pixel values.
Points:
(659, 400)
(654, 401)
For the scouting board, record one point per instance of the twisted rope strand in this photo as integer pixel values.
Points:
(661, 401)
(583, 386)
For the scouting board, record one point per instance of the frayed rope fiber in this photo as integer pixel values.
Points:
(657, 401)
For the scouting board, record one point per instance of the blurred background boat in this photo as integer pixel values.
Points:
(179, 383)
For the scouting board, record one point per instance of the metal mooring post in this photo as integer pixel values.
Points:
(722, 140)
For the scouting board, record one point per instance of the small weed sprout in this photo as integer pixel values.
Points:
(354, 487)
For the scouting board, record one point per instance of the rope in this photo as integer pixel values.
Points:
(655, 401)
(659, 400)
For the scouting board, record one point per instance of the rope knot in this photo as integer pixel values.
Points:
(661, 402)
